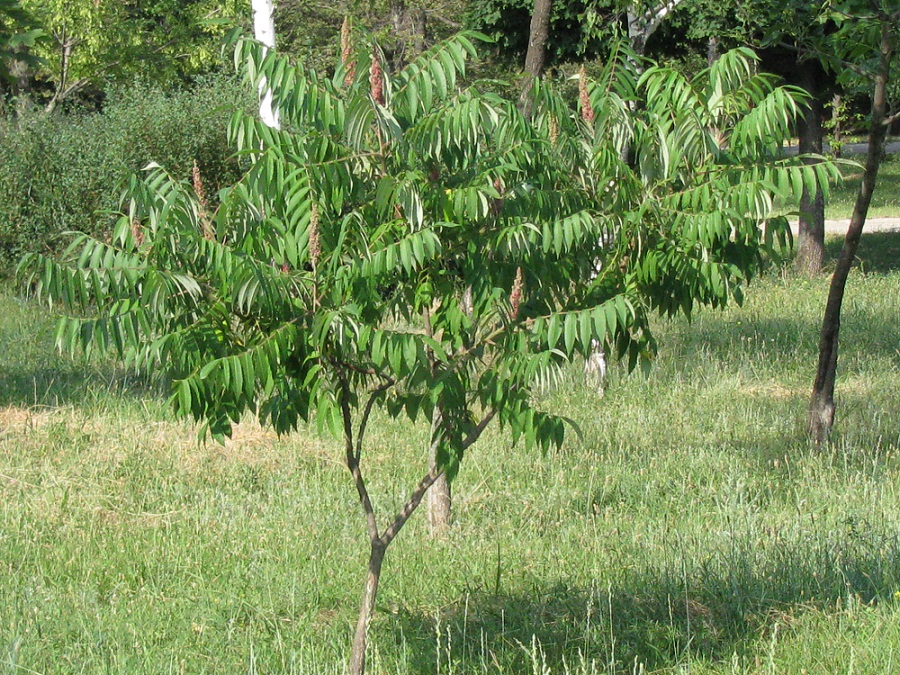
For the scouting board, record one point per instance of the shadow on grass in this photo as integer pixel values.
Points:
(710, 606)
(70, 384)
(878, 253)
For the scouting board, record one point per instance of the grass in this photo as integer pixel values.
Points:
(885, 200)
(690, 528)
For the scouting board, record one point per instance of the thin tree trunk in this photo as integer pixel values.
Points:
(536, 56)
(60, 92)
(821, 406)
(811, 228)
(440, 498)
(367, 608)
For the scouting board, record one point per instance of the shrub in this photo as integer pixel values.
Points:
(62, 172)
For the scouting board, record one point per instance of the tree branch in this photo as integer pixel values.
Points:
(380, 389)
(411, 505)
(479, 429)
(352, 460)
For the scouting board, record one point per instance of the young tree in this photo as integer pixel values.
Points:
(867, 37)
(405, 245)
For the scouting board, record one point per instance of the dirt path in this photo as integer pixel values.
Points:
(872, 225)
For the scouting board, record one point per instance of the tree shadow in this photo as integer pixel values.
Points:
(62, 384)
(878, 252)
(701, 604)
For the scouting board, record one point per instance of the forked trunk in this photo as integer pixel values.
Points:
(821, 405)
(367, 609)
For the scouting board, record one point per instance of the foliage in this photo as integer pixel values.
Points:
(16, 36)
(577, 28)
(92, 43)
(57, 172)
(406, 246)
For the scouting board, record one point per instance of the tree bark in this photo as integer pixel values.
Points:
(536, 56)
(811, 229)
(367, 608)
(641, 25)
(264, 31)
(821, 406)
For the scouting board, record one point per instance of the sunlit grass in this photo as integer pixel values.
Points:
(689, 526)
(885, 199)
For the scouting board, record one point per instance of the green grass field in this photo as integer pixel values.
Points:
(691, 528)
(885, 200)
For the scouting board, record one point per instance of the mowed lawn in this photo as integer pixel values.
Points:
(688, 528)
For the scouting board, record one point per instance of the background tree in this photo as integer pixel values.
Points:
(93, 42)
(864, 30)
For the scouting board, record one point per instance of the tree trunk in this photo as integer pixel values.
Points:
(712, 51)
(264, 31)
(440, 499)
(440, 504)
(367, 608)
(821, 405)
(536, 56)
(811, 228)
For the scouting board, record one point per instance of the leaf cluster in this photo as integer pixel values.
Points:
(408, 243)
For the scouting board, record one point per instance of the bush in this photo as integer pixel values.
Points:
(65, 172)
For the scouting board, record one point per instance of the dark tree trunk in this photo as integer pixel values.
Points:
(409, 28)
(536, 56)
(811, 228)
(821, 405)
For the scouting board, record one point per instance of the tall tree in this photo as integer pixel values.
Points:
(536, 56)
(867, 38)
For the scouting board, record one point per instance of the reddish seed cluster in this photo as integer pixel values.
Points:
(587, 112)
(137, 232)
(315, 249)
(376, 79)
(346, 53)
(198, 185)
(515, 297)
(200, 191)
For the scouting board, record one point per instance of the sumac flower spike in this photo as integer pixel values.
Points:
(376, 79)
(347, 52)
(515, 297)
(587, 112)
(137, 232)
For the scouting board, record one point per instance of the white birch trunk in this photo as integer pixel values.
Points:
(264, 31)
